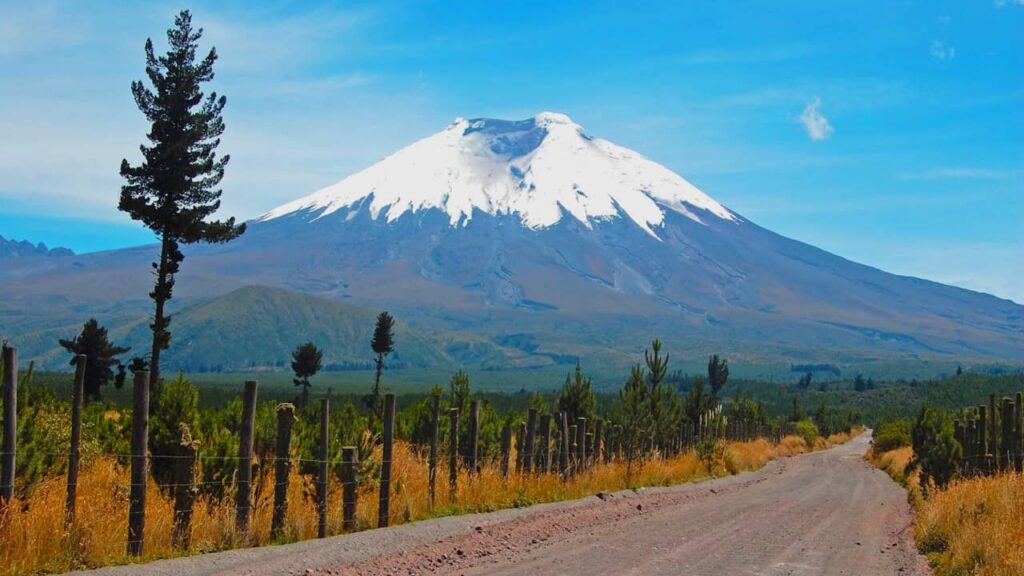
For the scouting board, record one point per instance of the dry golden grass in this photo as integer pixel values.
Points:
(974, 526)
(34, 539)
(894, 463)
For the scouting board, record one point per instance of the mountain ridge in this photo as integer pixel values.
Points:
(254, 328)
(10, 247)
(598, 282)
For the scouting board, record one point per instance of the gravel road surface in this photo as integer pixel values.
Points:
(828, 512)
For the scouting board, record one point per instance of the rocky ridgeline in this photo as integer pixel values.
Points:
(24, 248)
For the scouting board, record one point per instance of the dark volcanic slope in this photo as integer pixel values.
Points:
(252, 327)
(569, 289)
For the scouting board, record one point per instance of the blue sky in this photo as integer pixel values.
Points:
(891, 133)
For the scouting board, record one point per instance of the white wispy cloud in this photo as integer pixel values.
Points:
(814, 122)
(1001, 3)
(940, 51)
(292, 127)
(957, 173)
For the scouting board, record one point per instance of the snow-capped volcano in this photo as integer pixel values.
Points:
(525, 244)
(540, 170)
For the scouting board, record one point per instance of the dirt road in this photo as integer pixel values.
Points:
(823, 513)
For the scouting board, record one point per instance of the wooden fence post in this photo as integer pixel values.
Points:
(282, 468)
(960, 434)
(609, 443)
(474, 435)
(1019, 427)
(544, 455)
(520, 447)
(983, 456)
(529, 452)
(968, 461)
(184, 489)
(592, 445)
(453, 453)
(581, 443)
(385, 468)
(323, 455)
(573, 450)
(76, 439)
(563, 446)
(349, 484)
(556, 440)
(137, 490)
(506, 447)
(1006, 451)
(10, 443)
(590, 440)
(435, 429)
(243, 476)
(993, 433)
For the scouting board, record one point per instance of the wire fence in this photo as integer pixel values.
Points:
(557, 447)
(991, 436)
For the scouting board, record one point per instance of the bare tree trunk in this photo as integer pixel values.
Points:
(139, 464)
(160, 294)
(385, 466)
(243, 479)
(323, 454)
(453, 452)
(76, 439)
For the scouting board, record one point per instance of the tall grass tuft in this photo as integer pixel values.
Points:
(975, 526)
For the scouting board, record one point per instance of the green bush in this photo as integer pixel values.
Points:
(936, 452)
(709, 450)
(807, 430)
(178, 404)
(891, 435)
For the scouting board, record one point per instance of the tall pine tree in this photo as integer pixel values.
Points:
(382, 344)
(577, 398)
(697, 402)
(174, 190)
(634, 407)
(307, 360)
(663, 401)
(100, 357)
(718, 374)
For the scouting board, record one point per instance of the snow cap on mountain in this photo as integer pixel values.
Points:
(538, 169)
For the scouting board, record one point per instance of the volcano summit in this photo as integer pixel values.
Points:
(539, 170)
